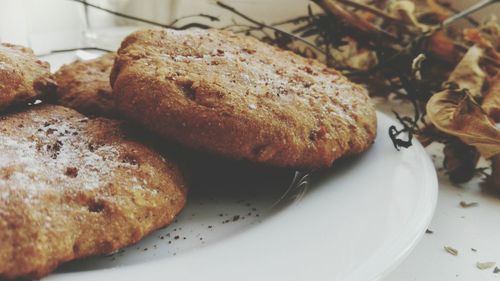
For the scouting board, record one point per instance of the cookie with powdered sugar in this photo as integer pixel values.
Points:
(84, 86)
(23, 77)
(239, 97)
(72, 187)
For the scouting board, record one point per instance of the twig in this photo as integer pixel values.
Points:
(468, 18)
(190, 25)
(210, 17)
(76, 49)
(263, 25)
(294, 20)
(86, 4)
(468, 11)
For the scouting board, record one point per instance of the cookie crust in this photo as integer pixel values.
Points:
(241, 98)
(23, 77)
(72, 187)
(84, 86)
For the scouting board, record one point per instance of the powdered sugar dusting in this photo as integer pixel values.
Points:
(262, 69)
(54, 154)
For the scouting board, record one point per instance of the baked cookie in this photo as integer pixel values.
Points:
(242, 98)
(23, 77)
(72, 187)
(84, 86)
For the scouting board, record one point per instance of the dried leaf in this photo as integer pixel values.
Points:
(451, 250)
(490, 29)
(475, 36)
(485, 265)
(456, 113)
(491, 101)
(460, 161)
(467, 74)
(464, 204)
(486, 37)
(405, 11)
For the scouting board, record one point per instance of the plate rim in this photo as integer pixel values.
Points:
(431, 190)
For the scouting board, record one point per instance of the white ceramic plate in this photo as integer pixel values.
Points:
(355, 221)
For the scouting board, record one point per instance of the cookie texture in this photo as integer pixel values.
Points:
(23, 77)
(84, 86)
(242, 98)
(72, 187)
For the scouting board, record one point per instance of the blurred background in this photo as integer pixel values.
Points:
(62, 24)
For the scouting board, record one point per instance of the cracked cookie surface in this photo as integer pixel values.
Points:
(84, 86)
(241, 98)
(72, 187)
(23, 77)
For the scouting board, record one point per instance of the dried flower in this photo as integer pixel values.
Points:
(456, 113)
(468, 75)
(491, 102)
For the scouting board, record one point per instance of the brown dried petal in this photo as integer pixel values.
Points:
(491, 102)
(467, 74)
(456, 113)
(405, 10)
(460, 161)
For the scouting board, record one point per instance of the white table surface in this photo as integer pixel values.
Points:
(454, 226)
(461, 228)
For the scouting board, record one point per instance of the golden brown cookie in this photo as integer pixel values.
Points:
(242, 98)
(72, 187)
(23, 77)
(84, 86)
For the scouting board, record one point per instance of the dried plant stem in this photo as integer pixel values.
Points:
(263, 25)
(480, 5)
(199, 25)
(86, 4)
(294, 20)
(210, 17)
